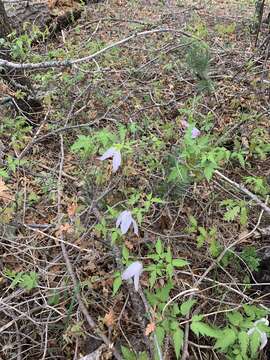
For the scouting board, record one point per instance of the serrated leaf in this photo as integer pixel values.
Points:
(186, 306)
(178, 338)
(168, 256)
(159, 247)
(243, 339)
(235, 318)
(209, 171)
(201, 328)
(232, 213)
(153, 278)
(169, 270)
(179, 262)
(160, 333)
(226, 338)
(255, 342)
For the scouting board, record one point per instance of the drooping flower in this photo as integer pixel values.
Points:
(125, 220)
(115, 154)
(194, 132)
(134, 271)
(262, 333)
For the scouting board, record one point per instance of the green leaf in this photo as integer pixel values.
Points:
(125, 253)
(255, 342)
(209, 171)
(232, 213)
(116, 284)
(243, 339)
(178, 338)
(153, 278)
(143, 356)
(169, 270)
(29, 281)
(235, 318)
(4, 174)
(186, 306)
(127, 354)
(83, 143)
(225, 339)
(159, 247)
(168, 256)
(160, 333)
(179, 262)
(201, 328)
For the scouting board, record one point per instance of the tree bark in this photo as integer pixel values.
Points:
(29, 105)
(5, 28)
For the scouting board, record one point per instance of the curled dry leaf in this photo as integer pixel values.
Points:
(5, 194)
(150, 328)
(64, 228)
(71, 210)
(109, 318)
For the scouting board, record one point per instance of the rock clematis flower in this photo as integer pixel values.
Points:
(134, 271)
(124, 221)
(194, 132)
(262, 333)
(115, 154)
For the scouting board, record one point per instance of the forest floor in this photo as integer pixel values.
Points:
(186, 104)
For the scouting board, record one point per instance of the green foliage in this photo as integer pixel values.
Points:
(209, 238)
(250, 257)
(17, 130)
(235, 210)
(233, 339)
(198, 158)
(258, 185)
(260, 143)
(164, 264)
(117, 282)
(24, 280)
(20, 46)
(131, 355)
(225, 30)
(198, 61)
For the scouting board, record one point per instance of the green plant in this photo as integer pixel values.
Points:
(250, 257)
(198, 158)
(235, 209)
(259, 143)
(101, 140)
(25, 280)
(169, 324)
(198, 61)
(131, 355)
(235, 339)
(209, 238)
(164, 263)
(258, 184)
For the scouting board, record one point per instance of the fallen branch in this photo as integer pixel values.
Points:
(245, 191)
(68, 63)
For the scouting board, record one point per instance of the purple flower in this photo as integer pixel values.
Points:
(262, 333)
(115, 155)
(134, 271)
(125, 220)
(194, 132)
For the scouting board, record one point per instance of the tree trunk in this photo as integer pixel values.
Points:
(259, 7)
(29, 106)
(4, 24)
